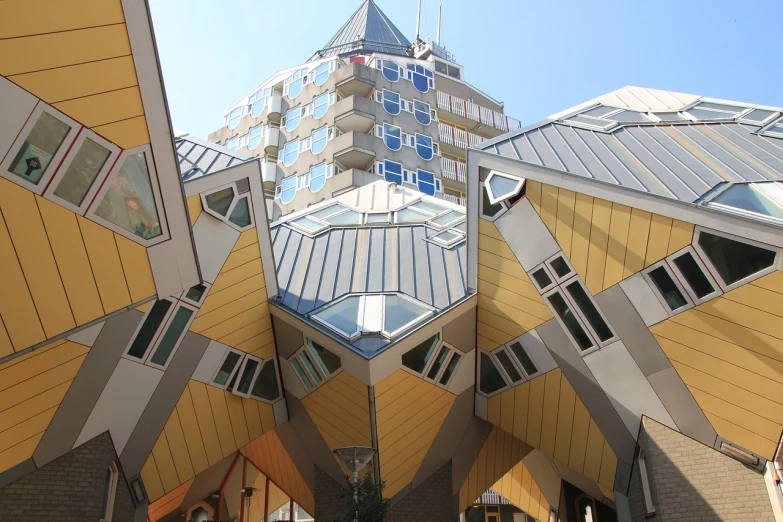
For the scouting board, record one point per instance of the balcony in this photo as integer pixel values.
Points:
(468, 110)
(455, 199)
(455, 139)
(454, 170)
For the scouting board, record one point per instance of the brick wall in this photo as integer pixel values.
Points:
(68, 489)
(432, 501)
(692, 482)
(329, 504)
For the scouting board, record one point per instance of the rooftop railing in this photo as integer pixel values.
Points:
(472, 111)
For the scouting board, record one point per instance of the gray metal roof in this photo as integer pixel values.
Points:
(368, 30)
(681, 161)
(314, 271)
(199, 158)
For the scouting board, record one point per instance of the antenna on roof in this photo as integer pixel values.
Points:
(440, 9)
(418, 21)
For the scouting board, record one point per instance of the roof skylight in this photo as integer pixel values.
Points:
(760, 200)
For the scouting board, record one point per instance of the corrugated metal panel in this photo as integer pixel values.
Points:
(491, 498)
(315, 271)
(199, 158)
(681, 162)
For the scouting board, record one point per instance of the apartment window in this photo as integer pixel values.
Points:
(422, 112)
(448, 238)
(564, 311)
(227, 369)
(384, 314)
(523, 358)
(435, 361)
(234, 117)
(689, 268)
(258, 101)
(232, 143)
(321, 73)
(109, 492)
(230, 204)
(508, 367)
(585, 509)
(292, 86)
(292, 118)
(392, 172)
(321, 105)
(735, 261)
(426, 182)
(377, 218)
(80, 170)
(418, 358)
(392, 136)
(314, 364)
(389, 69)
(501, 186)
(490, 379)
(290, 152)
(129, 199)
(318, 176)
(391, 102)
(424, 146)
(319, 139)
(422, 78)
(265, 386)
(255, 135)
(671, 294)
(446, 220)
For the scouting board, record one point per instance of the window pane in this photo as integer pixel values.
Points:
(326, 211)
(407, 215)
(171, 337)
(571, 322)
(488, 209)
(220, 201)
(343, 315)
(240, 216)
(490, 379)
(301, 373)
(195, 293)
(328, 361)
(448, 217)
(349, 217)
(229, 363)
(668, 289)
(589, 310)
(308, 224)
(700, 114)
(148, 329)
(599, 111)
(82, 171)
(694, 275)
(560, 267)
(129, 202)
(246, 379)
(523, 358)
(734, 260)
(670, 116)
(542, 278)
(308, 363)
(449, 371)
(39, 148)
(429, 206)
(400, 312)
(758, 115)
(628, 116)
(440, 360)
(751, 197)
(417, 358)
(508, 366)
(265, 386)
(502, 186)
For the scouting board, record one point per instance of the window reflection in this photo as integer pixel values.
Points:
(39, 148)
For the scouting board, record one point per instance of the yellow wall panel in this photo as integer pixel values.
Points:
(168, 502)
(241, 256)
(549, 207)
(618, 239)
(681, 236)
(658, 240)
(741, 436)
(344, 424)
(579, 433)
(106, 265)
(126, 133)
(6, 348)
(222, 297)
(237, 275)
(26, 429)
(105, 107)
(550, 412)
(608, 467)
(165, 464)
(599, 239)
(533, 194)
(194, 208)
(48, 51)
(151, 479)
(206, 421)
(254, 427)
(73, 264)
(238, 421)
(192, 432)
(179, 449)
(217, 401)
(566, 201)
(136, 266)
(773, 282)
(16, 304)
(521, 402)
(535, 411)
(19, 453)
(55, 15)
(593, 452)
(580, 240)
(565, 421)
(32, 248)
(29, 407)
(638, 233)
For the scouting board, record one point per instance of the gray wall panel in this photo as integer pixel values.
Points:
(311, 439)
(16, 472)
(631, 329)
(162, 402)
(297, 452)
(467, 452)
(682, 406)
(16, 105)
(214, 241)
(287, 338)
(345, 273)
(532, 245)
(377, 262)
(329, 273)
(440, 288)
(586, 386)
(461, 332)
(643, 299)
(88, 385)
(207, 482)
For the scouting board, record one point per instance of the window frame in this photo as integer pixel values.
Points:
(154, 185)
(431, 147)
(776, 264)
(57, 157)
(110, 495)
(264, 362)
(503, 206)
(114, 154)
(504, 349)
(649, 506)
(680, 286)
(431, 362)
(479, 364)
(243, 363)
(297, 110)
(428, 112)
(494, 200)
(684, 281)
(231, 117)
(447, 244)
(149, 352)
(553, 274)
(518, 363)
(390, 126)
(261, 135)
(384, 100)
(576, 279)
(577, 315)
(234, 201)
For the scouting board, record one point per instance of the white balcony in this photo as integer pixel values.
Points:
(454, 170)
(471, 111)
(455, 199)
(457, 137)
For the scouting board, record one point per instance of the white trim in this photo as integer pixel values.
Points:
(114, 153)
(478, 375)
(578, 309)
(57, 157)
(649, 507)
(552, 280)
(111, 493)
(558, 290)
(237, 196)
(502, 369)
(153, 175)
(247, 358)
(273, 362)
(558, 279)
(493, 199)
(685, 283)
(663, 264)
(233, 370)
(518, 363)
(156, 343)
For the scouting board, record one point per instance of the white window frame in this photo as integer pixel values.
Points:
(497, 199)
(516, 360)
(57, 158)
(702, 266)
(310, 233)
(494, 354)
(388, 215)
(558, 290)
(479, 362)
(581, 314)
(450, 350)
(233, 371)
(705, 258)
(398, 102)
(114, 153)
(111, 493)
(183, 296)
(559, 280)
(503, 205)
(273, 362)
(247, 358)
(156, 343)
(548, 271)
(234, 201)
(680, 286)
(153, 174)
(649, 507)
(449, 224)
(447, 244)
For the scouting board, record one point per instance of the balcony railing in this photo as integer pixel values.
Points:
(455, 170)
(455, 199)
(470, 110)
(458, 137)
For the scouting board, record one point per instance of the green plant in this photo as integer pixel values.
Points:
(365, 501)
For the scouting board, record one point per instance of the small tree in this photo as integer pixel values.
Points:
(365, 501)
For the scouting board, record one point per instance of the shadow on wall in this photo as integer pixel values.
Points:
(692, 482)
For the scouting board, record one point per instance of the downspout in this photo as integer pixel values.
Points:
(242, 495)
(266, 500)
(374, 435)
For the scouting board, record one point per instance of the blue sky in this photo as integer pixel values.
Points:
(539, 57)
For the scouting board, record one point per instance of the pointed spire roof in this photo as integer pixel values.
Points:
(368, 30)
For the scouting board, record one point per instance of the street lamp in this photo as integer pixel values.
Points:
(355, 458)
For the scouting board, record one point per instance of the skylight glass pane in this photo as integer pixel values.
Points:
(407, 215)
(588, 121)
(502, 187)
(670, 116)
(720, 107)
(709, 115)
(462, 227)
(308, 224)
(429, 206)
(350, 217)
(597, 112)
(326, 211)
(628, 116)
(758, 115)
(377, 218)
(343, 315)
(129, 201)
(447, 218)
(447, 236)
(490, 379)
(417, 358)
(753, 198)
(734, 260)
(400, 312)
